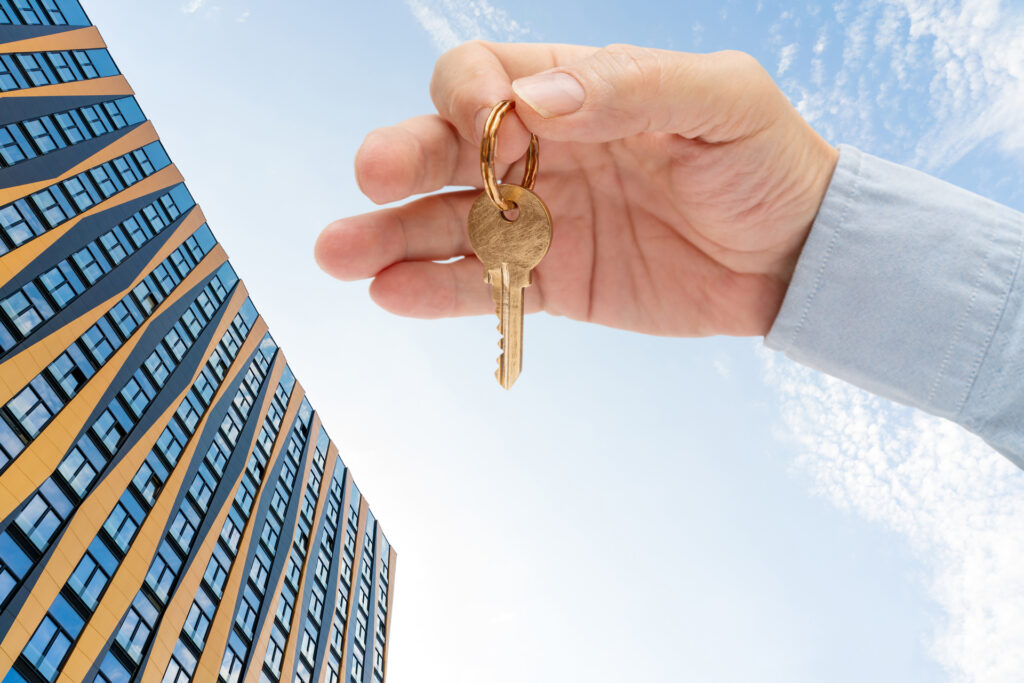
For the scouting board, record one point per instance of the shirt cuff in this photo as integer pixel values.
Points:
(901, 286)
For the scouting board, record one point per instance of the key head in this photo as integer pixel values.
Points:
(522, 242)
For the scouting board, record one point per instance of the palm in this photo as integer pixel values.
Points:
(660, 234)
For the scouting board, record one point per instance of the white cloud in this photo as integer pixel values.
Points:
(951, 71)
(243, 17)
(786, 56)
(193, 6)
(959, 504)
(450, 22)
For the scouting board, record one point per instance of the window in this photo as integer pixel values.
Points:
(158, 366)
(62, 283)
(92, 573)
(203, 486)
(91, 262)
(35, 69)
(197, 623)
(43, 134)
(52, 639)
(123, 521)
(137, 393)
(138, 624)
(97, 341)
(248, 609)
(43, 514)
(52, 205)
(82, 194)
(182, 664)
(163, 572)
(150, 478)
(105, 182)
(109, 430)
(20, 223)
(80, 465)
(26, 309)
(71, 125)
(275, 649)
(14, 146)
(14, 563)
(356, 672)
(34, 406)
(116, 245)
(234, 659)
(185, 525)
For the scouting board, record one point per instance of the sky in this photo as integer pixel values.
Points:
(637, 508)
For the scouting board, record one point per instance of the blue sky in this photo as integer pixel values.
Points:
(666, 509)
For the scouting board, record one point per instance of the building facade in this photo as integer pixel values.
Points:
(171, 508)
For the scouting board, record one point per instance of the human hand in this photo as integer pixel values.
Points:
(681, 188)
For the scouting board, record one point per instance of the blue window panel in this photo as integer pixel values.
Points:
(130, 111)
(137, 625)
(93, 572)
(106, 182)
(72, 12)
(19, 223)
(101, 61)
(10, 444)
(35, 69)
(183, 200)
(44, 513)
(67, 616)
(63, 65)
(99, 341)
(81, 465)
(126, 317)
(72, 126)
(155, 156)
(70, 370)
(14, 146)
(137, 230)
(112, 670)
(26, 309)
(62, 283)
(43, 134)
(46, 650)
(29, 411)
(53, 206)
(92, 263)
(10, 75)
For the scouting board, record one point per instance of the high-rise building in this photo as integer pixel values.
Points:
(170, 507)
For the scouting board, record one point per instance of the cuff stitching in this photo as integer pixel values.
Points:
(996, 319)
(849, 203)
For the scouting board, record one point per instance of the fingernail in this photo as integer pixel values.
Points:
(550, 94)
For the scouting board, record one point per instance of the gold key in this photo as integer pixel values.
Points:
(508, 248)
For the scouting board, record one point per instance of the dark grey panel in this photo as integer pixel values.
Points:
(22, 108)
(59, 161)
(323, 639)
(9, 34)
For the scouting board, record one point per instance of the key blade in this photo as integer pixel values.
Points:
(507, 283)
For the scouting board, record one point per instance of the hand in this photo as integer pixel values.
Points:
(681, 187)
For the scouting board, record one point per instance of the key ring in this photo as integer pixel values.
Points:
(488, 147)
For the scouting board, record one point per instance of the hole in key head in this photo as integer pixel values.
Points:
(512, 214)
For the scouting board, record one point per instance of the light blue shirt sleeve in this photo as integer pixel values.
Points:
(911, 288)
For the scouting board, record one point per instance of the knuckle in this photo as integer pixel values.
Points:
(743, 65)
(636, 63)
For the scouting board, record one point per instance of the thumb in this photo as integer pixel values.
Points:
(623, 90)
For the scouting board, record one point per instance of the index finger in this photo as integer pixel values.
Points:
(471, 78)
